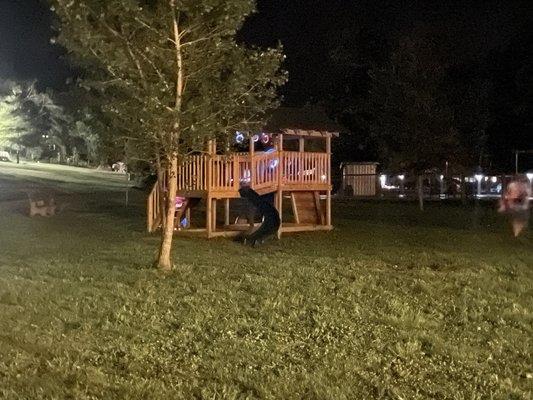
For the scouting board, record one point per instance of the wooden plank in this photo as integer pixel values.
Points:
(150, 210)
(311, 133)
(318, 207)
(307, 212)
(305, 228)
(209, 218)
(214, 216)
(295, 208)
(188, 216)
(226, 212)
(328, 208)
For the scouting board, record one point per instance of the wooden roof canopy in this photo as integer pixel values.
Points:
(308, 121)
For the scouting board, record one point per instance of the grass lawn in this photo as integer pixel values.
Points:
(393, 304)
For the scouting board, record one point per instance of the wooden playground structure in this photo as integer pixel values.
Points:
(294, 176)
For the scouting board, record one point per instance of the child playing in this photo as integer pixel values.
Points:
(515, 202)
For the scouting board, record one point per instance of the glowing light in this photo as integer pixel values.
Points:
(180, 202)
(383, 180)
(265, 138)
(441, 177)
(255, 138)
(246, 178)
(494, 179)
(478, 177)
(530, 176)
(486, 178)
(401, 177)
(274, 163)
(239, 137)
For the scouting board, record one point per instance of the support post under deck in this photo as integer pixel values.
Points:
(209, 218)
(279, 194)
(328, 197)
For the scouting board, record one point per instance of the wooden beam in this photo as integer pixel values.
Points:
(295, 209)
(305, 228)
(318, 207)
(209, 217)
(226, 212)
(188, 216)
(281, 169)
(328, 198)
(301, 147)
(251, 151)
(309, 133)
(214, 216)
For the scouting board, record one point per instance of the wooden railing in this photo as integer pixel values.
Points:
(222, 173)
(192, 173)
(305, 168)
(226, 174)
(153, 209)
(265, 170)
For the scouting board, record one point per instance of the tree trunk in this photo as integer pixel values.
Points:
(420, 190)
(164, 261)
(161, 182)
(463, 189)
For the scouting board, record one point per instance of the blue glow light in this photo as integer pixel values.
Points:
(239, 137)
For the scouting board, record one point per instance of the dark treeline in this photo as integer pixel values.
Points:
(474, 59)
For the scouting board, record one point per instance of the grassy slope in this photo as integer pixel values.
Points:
(392, 304)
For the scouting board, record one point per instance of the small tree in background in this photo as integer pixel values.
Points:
(172, 76)
(411, 120)
(30, 119)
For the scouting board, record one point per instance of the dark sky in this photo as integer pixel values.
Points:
(25, 50)
(306, 28)
(494, 36)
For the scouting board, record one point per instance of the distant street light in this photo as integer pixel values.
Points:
(479, 178)
(401, 178)
(383, 180)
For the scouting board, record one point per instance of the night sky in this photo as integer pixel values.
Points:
(498, 35)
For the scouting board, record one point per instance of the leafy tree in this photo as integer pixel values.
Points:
(13, 123)
(30, 117)
(411, 120)
(172, 75)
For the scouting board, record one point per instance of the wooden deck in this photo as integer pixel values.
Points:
(221, 176)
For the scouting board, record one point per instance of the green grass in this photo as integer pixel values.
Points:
(394, 304)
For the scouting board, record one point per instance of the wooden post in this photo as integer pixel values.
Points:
(281, 167)
(209, 166)
(251, 151)
(149, 213)
(328, 198)
(295, 209)
(209, 219)
(188, 216)
(236, 173)
(226, 212)
(214, 216)
(301, 144)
